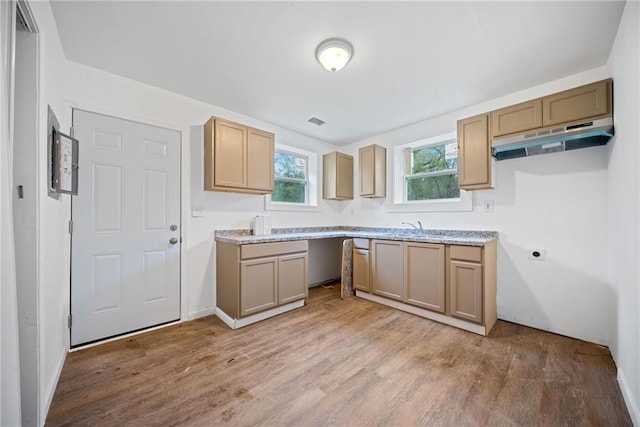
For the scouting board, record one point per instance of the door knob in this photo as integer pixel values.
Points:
(173, 240)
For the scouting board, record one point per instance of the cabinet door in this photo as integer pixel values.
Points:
(583, 102)
(344, 178)
(230, 147)
(387, 269)
(474, 152)
(260, 150)
(466, 290)
(517, 118)
(424, 283)
(373, 162)
(337, 172)
(292, 277)
(361, 269)
(258, 285)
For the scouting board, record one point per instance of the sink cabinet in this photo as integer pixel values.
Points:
(424, 275)
(252, 279)
(387, 268)
(452, 284)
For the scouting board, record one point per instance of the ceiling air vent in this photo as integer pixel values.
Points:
(316, 121)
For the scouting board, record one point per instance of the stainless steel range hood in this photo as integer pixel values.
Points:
(554, 139)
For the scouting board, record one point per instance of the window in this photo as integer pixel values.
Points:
(296, 183)
(426, 176)
(431, 171)
(291, 178)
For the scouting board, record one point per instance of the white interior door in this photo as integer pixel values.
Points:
(125, 247)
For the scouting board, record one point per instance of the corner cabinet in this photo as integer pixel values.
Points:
(337, 176)
(263, 279)
(372, 161)
(474, 153)
(237, 158)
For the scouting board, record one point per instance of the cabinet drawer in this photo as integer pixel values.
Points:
(467, 253)
(271, 249)
(361, 243)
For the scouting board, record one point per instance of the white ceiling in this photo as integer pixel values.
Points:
(412, 61)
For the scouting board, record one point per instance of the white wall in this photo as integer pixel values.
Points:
(25, 169)
(555, 201)
(624, 207)
(98, 91)
(53, 216)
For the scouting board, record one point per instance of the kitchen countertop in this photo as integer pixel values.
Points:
(452, 237)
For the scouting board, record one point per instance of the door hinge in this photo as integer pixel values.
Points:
(71, 227)
(69, 322)
(72, 131)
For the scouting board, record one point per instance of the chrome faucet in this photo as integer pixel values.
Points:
(417, 227)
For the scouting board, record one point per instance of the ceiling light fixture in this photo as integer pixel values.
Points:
(333, 54)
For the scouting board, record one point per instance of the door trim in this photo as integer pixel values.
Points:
(185, 201)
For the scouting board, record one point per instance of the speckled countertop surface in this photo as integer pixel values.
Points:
(453, 237)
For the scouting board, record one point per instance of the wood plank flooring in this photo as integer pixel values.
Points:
(339, 362)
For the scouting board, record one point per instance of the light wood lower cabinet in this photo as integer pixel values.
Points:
(387, 268)
(466, 290)
(254, 278)
(361, 268)
(424, 275)
(292, 277)
(453, 284)
(258, 285)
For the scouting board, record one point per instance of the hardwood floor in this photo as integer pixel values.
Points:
(339, 362)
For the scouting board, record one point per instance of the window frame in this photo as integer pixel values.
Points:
(311, 190)
(400, 180)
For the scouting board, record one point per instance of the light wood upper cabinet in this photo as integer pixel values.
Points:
(585, 102)
(373, 171)
(260, 146)
(237, 158)
(387, 276)
(516, 118)
(474, 153)
(424, 275)
(337, 176)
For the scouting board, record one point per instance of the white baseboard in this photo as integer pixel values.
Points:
(632, 405)
(201, 313)
(51, 386)
(245, 321)
(471, 327)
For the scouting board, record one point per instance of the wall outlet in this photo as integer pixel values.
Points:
(488, 205)
(537, 254)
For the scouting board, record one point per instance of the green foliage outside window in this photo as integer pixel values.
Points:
(433, 173)
(290, 178)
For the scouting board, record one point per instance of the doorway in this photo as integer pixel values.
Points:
(125, 242)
